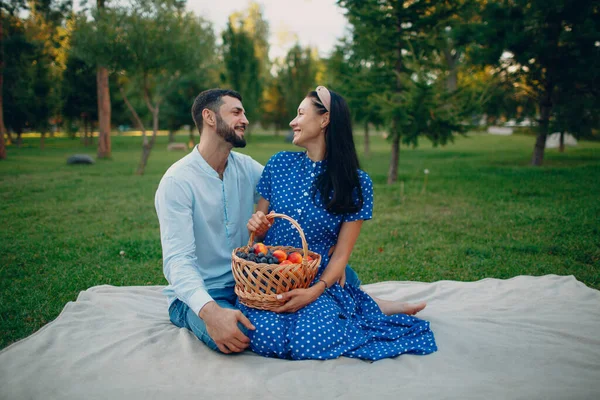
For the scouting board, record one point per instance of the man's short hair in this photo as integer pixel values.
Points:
(211, 99)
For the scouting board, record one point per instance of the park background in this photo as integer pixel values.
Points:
(425, 81)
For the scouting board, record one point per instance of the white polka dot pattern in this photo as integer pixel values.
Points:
(343, 321)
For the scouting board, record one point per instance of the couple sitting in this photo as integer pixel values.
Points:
(205, 205)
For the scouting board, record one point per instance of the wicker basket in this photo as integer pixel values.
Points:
(257, 285)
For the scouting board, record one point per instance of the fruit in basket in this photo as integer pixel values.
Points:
(285, 262)
(260, 248)
(295, 258)
(280, 255)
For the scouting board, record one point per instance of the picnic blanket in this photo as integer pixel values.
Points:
(521, 338)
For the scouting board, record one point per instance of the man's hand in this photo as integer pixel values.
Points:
(221, 325)
(295, 299)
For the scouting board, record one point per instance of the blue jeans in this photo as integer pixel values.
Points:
(183, 317)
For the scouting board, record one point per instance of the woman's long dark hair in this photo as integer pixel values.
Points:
(339, 181)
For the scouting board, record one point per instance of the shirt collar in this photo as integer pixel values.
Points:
(204, 166)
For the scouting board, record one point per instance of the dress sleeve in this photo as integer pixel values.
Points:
(366, 212)
(264, 184)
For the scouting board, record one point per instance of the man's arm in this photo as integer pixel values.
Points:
(174, 209)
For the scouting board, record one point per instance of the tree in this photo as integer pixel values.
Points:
(46, 25)
(575, 113)
(103, 94)
(252, 22)
(178, 101)
(163, 45)
(395, 36)
(34, 62)
(242, 69)
(79, 93)
(96, 43)
(297, 76)
(356, 81)
(553, 46)
(18, 74)
(151, 45)
(8, 9)
(274, 111)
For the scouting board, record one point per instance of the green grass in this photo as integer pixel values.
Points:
(485, 213)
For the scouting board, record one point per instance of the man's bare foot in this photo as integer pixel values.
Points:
(397, 307)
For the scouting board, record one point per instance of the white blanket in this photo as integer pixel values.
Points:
(522, 338)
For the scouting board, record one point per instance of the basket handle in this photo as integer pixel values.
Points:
(294, 223)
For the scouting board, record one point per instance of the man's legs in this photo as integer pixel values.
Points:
(183, 316)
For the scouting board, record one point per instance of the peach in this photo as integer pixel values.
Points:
(285, 262)
(295, 258)
(260, 248)
(280, 255)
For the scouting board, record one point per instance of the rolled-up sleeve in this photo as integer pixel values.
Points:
(173, 204)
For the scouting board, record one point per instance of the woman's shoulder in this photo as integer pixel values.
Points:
(285, 156)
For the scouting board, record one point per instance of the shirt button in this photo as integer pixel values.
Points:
(306, 193)
(299, 211)
(314, 164)
(312, 174)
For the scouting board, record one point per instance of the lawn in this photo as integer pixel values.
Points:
(484, 212)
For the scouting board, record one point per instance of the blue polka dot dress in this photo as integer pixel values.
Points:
(343, 321)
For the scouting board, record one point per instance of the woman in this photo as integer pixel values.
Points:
(331, 318)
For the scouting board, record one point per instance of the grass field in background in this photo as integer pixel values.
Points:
(485, 213)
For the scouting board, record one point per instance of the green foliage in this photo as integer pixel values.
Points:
(19, 56)
(79, 89)
(178, 102)
(397, 44)
(552, 47)
(356, 80)
(297, 76)
(242, 69)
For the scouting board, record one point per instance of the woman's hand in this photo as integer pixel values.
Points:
(259, 223)
(296, 299)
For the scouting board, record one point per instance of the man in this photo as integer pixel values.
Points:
(203, 203)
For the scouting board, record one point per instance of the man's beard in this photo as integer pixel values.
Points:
(228, 133)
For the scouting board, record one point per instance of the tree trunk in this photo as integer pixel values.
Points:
(103, 113)
(147, 146)
(171, 136)
(540, 143)
(561, 146)
(82, 130)
(19, 139)
(191, 141)
(367, 145)
(393, 170)
(42, 141)
(451, 61)
(87, 131)
(2, 127)
(135, 116)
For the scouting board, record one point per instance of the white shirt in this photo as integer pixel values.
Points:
(202, 219)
